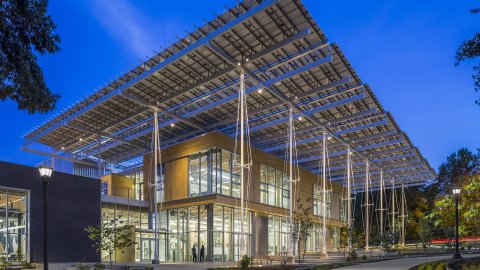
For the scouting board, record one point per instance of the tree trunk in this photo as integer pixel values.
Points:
(111, 263)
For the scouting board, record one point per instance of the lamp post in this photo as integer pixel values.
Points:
(45, 173)
(456, 193)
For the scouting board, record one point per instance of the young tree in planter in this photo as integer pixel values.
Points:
(109, 236)
(302, 223)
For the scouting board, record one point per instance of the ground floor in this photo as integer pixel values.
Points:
(213, 228)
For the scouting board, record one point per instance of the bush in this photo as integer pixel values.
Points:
(352, 255)
(99, 266)
(364, 257)
(245, 262)
(82, 266)
(469, 247)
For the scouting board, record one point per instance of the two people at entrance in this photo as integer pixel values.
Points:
(202, 253)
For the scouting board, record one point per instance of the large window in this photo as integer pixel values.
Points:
(274, 187)
(213, 171)
(278, 234)
(318, 201)
(138, 184)
(227, 233)
(13, 224)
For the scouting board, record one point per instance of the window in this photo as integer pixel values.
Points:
(342, 215)
(274, 187)
(198, 174)
(214, 171)
(318, 201)
(14, 223)
(278, 235)
(138, 184)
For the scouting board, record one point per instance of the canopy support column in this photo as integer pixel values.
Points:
(155, 183)
(367, 206)
(324, 195)
(349, 200)
(242, 163)
(290, 183)
(393, 207)
(402, 241)
(382, 190)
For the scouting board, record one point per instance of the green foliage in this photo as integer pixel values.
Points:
(302, 225)
(470, 49)
(110, 236)
(425, 232)
(364, 257)
(99, 266)
(244, 262)
(26, 30)
(83, 266)
(4, 264)
(352, 255)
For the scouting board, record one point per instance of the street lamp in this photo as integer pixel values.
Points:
(456, 193)
(45, 173)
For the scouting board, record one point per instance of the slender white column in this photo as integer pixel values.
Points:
(349, 200)
(99, 156)
(367, 206)
(393, 205)
(242, 163)
(324, 190)
(290, 182)
(155, 183)
(382, 190)
(403, 215)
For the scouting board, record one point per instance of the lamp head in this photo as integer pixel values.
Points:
(45, 172)
(456, 190)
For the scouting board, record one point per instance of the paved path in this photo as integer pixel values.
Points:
(399, 264)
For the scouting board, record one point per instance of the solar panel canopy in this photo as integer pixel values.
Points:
(193, 85)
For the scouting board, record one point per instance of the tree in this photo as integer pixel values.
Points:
(302, 226)
(425, 232)
(470, 49)
(461, 163)
(109, 236)
(26, 29)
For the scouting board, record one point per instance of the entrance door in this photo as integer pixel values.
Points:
(147, 246)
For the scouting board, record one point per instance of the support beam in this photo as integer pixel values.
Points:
(402, 240)
(382, 190)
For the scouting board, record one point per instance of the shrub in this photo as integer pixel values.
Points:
(99, 266)
(364, 257)
(245, 262)
(352, 255)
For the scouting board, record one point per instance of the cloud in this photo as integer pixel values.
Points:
(128, 25)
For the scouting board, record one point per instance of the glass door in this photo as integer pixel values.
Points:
(147, 246)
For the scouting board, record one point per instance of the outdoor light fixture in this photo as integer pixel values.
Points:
(260, 91)
(300, 118)
(45, 173)
(172, 124)
(456, 193)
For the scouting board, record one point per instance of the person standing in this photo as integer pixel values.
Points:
(194, 253)
(202, 254)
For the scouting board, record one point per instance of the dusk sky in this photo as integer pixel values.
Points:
(404, 49)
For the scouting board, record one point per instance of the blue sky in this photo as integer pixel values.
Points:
(403, 49)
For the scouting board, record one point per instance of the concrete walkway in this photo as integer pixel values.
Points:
(400, 264)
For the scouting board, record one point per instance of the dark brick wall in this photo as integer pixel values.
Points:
(74, 203)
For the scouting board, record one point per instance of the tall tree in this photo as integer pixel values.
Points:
(470, 49)
(461, 163)
(26, 29)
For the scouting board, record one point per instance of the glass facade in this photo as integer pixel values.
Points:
(227, 233)
(318, 201)
(274, 187)
(181, 228)
(315, 240)
(138, 184)
(278, 234)
(14, 231)
(213, 171)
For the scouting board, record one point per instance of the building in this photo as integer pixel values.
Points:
(297, 86)
(74, 203)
